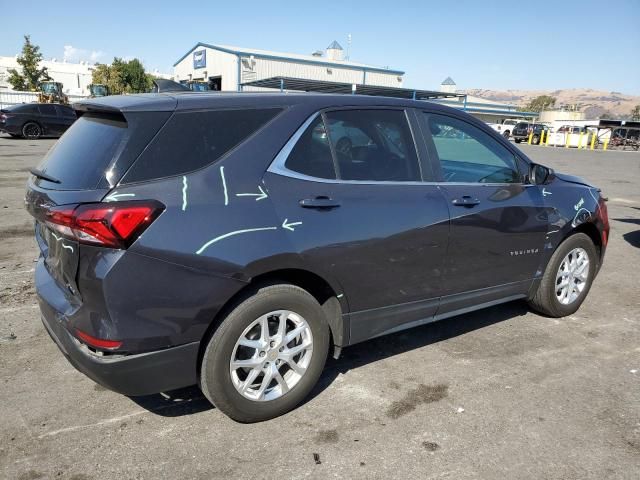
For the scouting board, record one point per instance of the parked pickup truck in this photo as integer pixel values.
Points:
(505, 128)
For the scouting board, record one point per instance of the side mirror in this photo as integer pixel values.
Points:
(539, 174)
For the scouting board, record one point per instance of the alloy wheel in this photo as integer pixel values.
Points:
(271, 356)
(31, 131)
(572, 276)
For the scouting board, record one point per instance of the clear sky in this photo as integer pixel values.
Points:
(480, 44)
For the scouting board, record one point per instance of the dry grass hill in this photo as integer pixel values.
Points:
(593, 102)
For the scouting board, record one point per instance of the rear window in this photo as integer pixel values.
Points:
(98, 149)
(192, 140)
(83, 154)
(22, 108)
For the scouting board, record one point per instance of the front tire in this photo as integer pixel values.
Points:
(567, 278)
(267, 355)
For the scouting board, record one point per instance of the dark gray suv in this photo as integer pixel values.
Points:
(234, 240)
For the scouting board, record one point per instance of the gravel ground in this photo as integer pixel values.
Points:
(500, 393)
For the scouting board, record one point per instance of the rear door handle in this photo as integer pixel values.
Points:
(465, 201)
(319, 202)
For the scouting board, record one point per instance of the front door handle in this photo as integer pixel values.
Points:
(465, 201)
(319, 202)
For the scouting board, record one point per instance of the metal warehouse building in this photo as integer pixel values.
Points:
(229, 68)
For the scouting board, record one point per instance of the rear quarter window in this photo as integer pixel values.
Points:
(192, 140)
(23, 109)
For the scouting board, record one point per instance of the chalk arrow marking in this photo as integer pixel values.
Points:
(231, 234)
(115, 196)
(289, 226)
(259, 196)
(545, 193)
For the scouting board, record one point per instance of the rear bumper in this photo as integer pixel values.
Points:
(141, 374)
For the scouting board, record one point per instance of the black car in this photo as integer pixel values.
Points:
(522, 130)
(234, 240)
(35, 120)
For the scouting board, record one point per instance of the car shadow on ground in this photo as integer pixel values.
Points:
(633, 238)
(190, 400)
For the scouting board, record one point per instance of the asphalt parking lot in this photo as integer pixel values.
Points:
(500, 393)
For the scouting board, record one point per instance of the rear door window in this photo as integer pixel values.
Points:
(65, 111)
(191, 140)
(46, 109)
(373, 145)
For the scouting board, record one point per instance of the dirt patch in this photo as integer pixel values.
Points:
(13, 182)
(420, 395)
(31, 475)
(16, 232)
(327, 436)
(19, 293)
(430, 446)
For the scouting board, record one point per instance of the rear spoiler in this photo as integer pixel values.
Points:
(121, 104)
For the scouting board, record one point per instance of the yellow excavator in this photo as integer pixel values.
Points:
(51, 92)
(98, 90)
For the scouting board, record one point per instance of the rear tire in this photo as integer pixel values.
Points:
(549, 299)
(250, 394)
(506, 134)
(31, 131)
(518, 140)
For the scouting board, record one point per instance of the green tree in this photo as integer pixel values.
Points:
(635, 113)
(540, 103)
(123, 77)
(31, 74)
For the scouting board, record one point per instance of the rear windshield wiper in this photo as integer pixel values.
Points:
(44, 176)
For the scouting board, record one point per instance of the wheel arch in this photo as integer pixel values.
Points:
(313, 283)
(590, 230)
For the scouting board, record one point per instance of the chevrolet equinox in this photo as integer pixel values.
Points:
(235, 240)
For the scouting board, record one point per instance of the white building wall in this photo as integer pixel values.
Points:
(381, 79)
(219, 63)
(75, 77)
(256, 68)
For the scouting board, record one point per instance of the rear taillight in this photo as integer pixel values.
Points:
(97, 342)
(114, 225)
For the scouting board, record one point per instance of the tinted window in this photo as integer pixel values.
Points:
(373, 145)
(47, 109)
(311, 154)
(65, 111)
(191, 140)
(467, 154)
(79, 159)
(23, 108)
